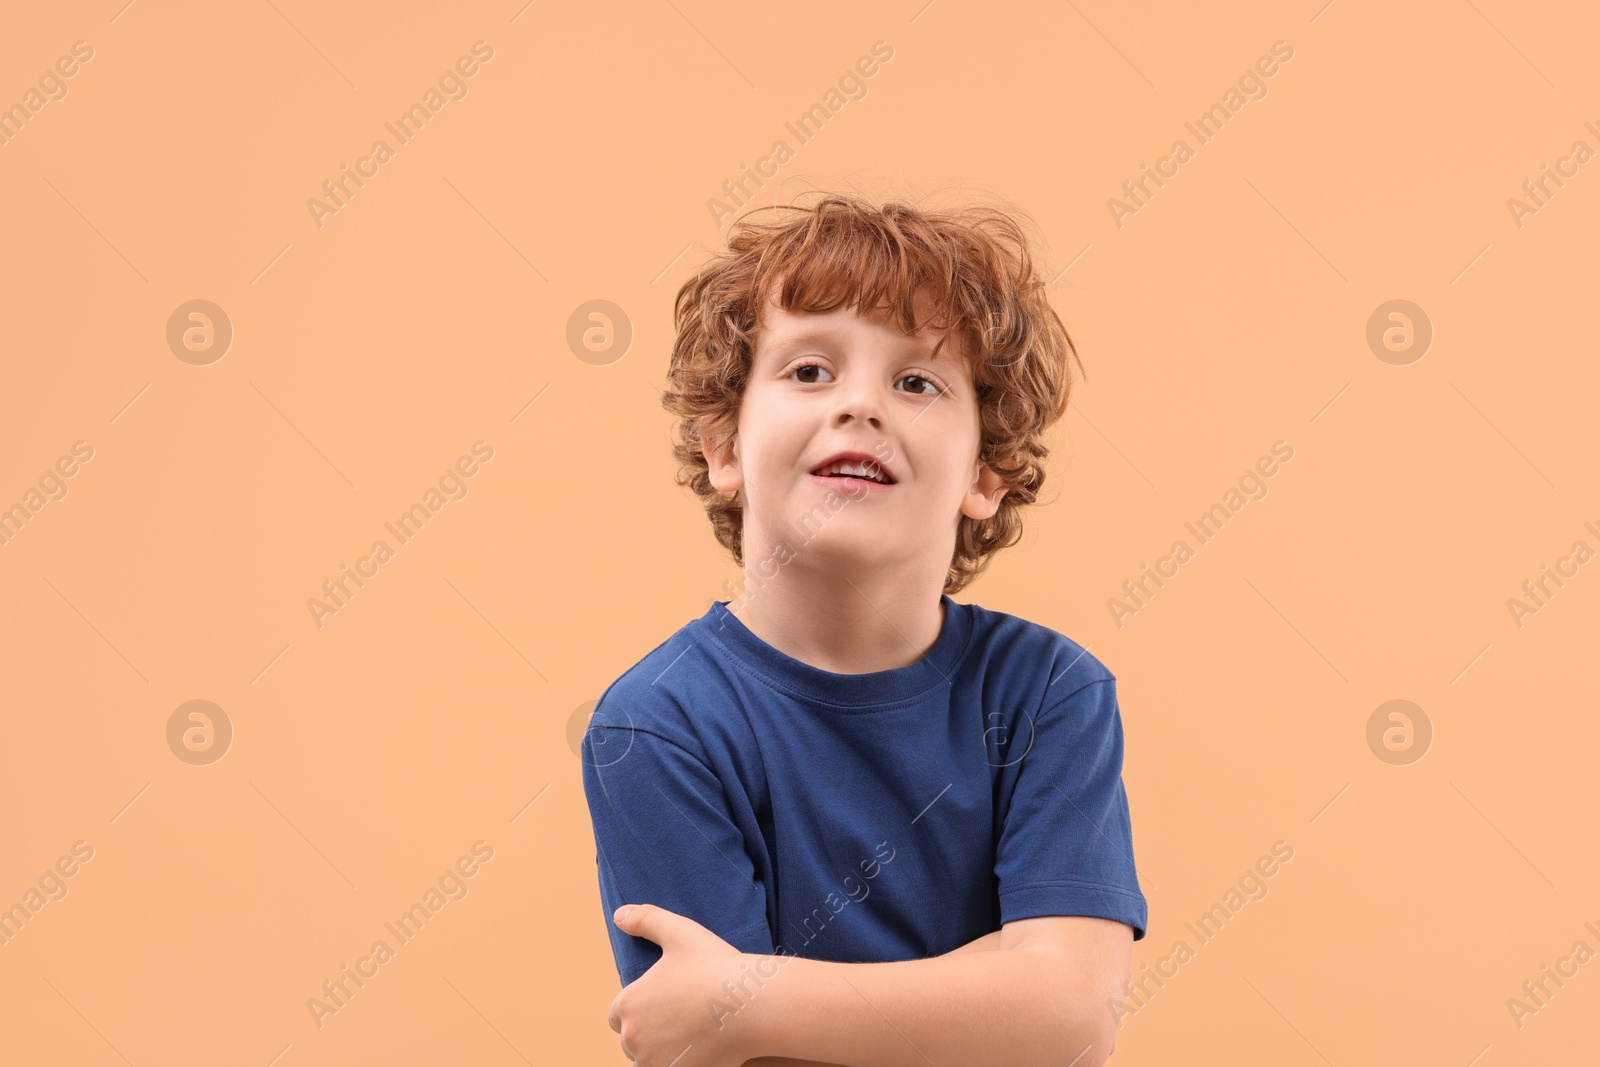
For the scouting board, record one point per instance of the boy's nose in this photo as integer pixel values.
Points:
(861, 403)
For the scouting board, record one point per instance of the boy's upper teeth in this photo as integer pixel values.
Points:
(855, 467)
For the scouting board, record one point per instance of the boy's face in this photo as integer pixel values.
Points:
(877, 392)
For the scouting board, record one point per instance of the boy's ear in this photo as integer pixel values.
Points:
(983, 497)
(722, 461)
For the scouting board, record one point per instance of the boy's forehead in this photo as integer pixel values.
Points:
(779, 327)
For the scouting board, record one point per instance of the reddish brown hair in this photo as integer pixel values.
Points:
(974, 265)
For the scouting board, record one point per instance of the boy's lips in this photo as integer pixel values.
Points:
(850, 483)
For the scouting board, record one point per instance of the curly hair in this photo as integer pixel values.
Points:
(974, 265)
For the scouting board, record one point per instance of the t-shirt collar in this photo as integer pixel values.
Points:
(895, 685)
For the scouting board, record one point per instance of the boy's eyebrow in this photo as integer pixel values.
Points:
(817, 333)
(804, 337)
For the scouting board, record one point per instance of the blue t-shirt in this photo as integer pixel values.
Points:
(860, 818)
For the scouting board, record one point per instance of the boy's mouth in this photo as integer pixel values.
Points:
(854, 467)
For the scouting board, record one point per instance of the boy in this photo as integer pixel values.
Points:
(856, 821)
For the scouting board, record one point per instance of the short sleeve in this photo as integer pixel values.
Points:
(1066, 846)
(663, 835)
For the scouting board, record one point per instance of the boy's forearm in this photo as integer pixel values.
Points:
(988, 941)
(978, 1004)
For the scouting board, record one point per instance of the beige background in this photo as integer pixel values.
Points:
(435, 709)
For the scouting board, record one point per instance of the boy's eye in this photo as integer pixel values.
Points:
(931, 390)
(809, 366)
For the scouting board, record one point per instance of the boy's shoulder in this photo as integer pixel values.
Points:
(652, 694)
(1012, 643)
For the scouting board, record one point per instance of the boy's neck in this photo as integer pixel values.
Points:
(843, 625)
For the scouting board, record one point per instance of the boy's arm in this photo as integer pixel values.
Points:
(664, 835)
(988, 941)
(936, 1017)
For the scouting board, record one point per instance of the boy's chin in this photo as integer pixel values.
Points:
(847, 552)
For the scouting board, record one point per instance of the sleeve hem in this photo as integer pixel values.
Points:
(1075, 898)
(752, 928)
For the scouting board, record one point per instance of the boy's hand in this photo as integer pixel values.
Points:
(679, 1003)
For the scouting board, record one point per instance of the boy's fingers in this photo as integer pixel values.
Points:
(638, 919)
(655, 923)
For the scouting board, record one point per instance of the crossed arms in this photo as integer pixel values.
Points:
(1033, 994)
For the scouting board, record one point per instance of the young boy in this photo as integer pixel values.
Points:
(856, 821)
